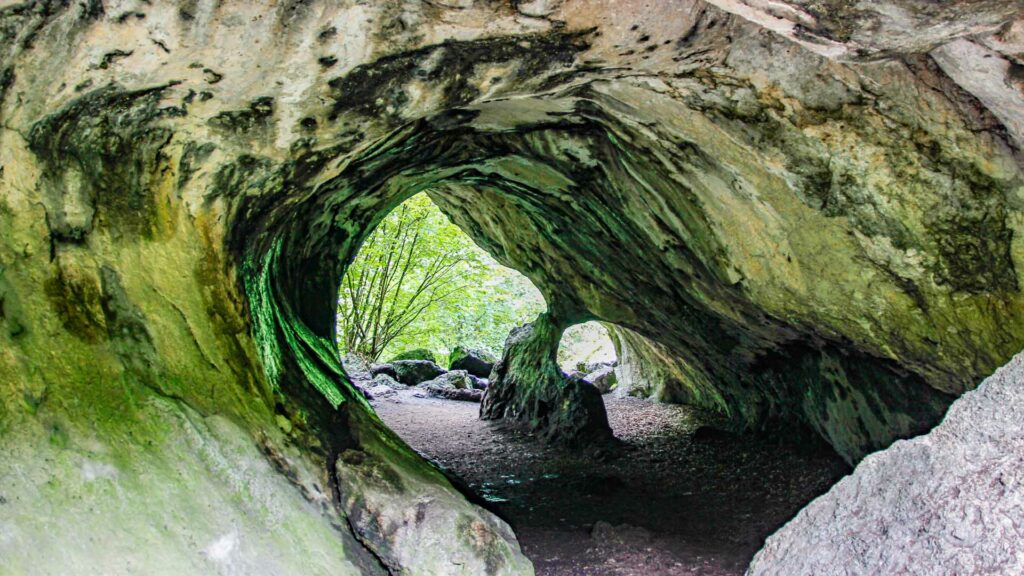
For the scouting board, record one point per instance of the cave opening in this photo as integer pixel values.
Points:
(800, 222)
(667, 493)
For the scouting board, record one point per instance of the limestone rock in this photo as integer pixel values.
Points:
(527, 377)
(603, 379)
(383, 379)
(450, 393)
(379, 391)
(807, 211)
(413, 372)
(457, 379)
(385, 369)
(947, 502)
(476, 362)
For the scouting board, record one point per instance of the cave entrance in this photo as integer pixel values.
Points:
(665, 499)
(422, 297)
(585, 348)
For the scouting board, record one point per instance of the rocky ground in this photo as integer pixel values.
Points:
(673, 499)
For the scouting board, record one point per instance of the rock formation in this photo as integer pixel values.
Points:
(795, 211)
(947, 502)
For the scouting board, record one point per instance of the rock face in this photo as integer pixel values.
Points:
(947, 502)
(798, 211)
(476, 362)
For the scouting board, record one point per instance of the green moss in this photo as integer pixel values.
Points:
(76, 296)
(415, 354)
(106, 147)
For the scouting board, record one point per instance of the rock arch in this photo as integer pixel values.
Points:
(785, 236)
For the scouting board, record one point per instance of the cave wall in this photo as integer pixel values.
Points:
(820, 236)
(947, 502)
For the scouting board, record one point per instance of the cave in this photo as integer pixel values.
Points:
(802, 218)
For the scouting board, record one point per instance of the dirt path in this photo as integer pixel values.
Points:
(670, 501)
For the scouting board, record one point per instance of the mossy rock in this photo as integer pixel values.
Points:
(412, 372)
(477, 362)
(415, 354)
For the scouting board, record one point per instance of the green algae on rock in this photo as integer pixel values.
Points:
(818, 224)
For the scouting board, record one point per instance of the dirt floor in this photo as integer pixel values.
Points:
(669, 501)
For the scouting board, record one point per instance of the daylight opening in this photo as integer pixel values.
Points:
(421, 289)
(585, 347)
(424, 315)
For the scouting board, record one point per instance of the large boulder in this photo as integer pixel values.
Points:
(477, 362)
(379, 391)
(948, 502)
(463, 395)
(413, 372)
(454, 385)
(458, 379)
(603, 378)
(387, 369)
(383, 379)
(415, 354)
(529, 389)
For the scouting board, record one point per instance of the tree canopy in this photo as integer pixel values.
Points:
(420, 282)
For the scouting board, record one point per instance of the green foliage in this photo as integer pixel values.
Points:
(415, 354)
(419, 282)
(584, 343)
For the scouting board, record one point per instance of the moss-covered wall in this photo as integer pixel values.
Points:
(183, 183)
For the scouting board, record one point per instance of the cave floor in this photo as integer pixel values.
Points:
(671, 500)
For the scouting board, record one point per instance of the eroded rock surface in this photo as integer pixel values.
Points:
(948, 502)
(807, 212)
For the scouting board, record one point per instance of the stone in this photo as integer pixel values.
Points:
(458, 379)
(415, 354)
(385, 369)
(383, 379)
(603, 378)
(476, 362)
(451, 393)
(413, 372)
(381, 391)
(947, 502)
(528, 388)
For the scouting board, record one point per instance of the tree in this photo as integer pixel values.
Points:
(407, 265)
(420, 282)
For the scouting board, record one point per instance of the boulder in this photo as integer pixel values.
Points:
(378, 369)
(416, 354)
(588, 367)
(947, 502)
(476, 362)
(386, 380)
(380, 391)
(461, 394)
(603, 379)
(413, 372)
(457, 379)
